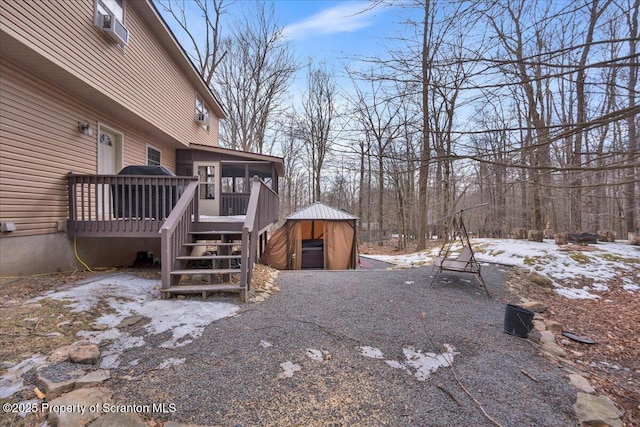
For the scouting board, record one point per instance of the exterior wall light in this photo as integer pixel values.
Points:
(85, 128)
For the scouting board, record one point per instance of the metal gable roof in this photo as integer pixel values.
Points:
(321, 211)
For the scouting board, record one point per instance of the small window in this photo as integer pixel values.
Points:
(202, 112)
(153, 156)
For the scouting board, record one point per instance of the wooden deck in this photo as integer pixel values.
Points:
(166, 207)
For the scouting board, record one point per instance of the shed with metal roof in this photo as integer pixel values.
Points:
(317, 236)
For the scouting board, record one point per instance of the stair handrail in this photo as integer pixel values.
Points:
(175, 230)
(262, 210)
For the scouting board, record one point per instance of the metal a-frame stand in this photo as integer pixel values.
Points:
(465, 262)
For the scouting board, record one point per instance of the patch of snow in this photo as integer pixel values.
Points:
(566, 269)
(265, 344)
(314, 354)
(371, 352)
(288, 368)
(11, 382)
(396, 365)
(130, 295)
(172, 361)
(409, 282)
(426, 364)
(572, 293)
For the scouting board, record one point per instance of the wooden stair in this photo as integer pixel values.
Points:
(223, 273)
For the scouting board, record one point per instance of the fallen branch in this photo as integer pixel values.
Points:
(529, 375)
(423, 315)
(448, 393)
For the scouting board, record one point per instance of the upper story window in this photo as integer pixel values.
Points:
(153, 156)
(202, 112)
(109, 17)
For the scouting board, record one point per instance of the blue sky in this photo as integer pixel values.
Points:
(333, 32)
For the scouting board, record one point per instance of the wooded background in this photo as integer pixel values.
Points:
(528, 108)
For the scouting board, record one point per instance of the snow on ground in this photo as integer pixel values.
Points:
(129, 295)
(424, 364)
(564, 268)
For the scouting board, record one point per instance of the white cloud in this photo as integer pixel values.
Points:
(346, 17)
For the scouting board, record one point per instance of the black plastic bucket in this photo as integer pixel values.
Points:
(518, 321)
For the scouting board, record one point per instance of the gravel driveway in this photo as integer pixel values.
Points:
(345, 348)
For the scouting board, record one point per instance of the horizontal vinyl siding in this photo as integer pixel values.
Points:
(142, 78)
(40, 144)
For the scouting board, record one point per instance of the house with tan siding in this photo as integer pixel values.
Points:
(88, 89)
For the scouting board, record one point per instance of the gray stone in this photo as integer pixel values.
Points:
(57, 379)
(535, 306)
(540, 280)
(596, 410)
(77, 400)
(129, 321)
(581, 383)
(554, 349)
(87, 354)
(93, 378)
(547, 336)
(125, 419)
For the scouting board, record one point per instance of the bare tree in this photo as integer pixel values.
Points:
(205, 52)
(253, 78)
(317, 121)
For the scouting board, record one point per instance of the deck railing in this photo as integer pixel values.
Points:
(175, 230)
(234, 203)
(119, 205)
(262, 211)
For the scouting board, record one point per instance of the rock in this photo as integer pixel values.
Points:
(125, 419)
(553, 326)
(606, 236)
(78, 400)
(561, 238)
(61, 354)
(535, 236)
(581, 383)
(596, 410)
(539, 325)
(87, 354)
(535, 306)
(93, 378)
(276, 289)
(565, 342)
(519, 233)
(59, 378)
(129, 321)
(634, 239)
(554, 349)
(547, 336)
(100, 326)
(259, 298)
(540, 280)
